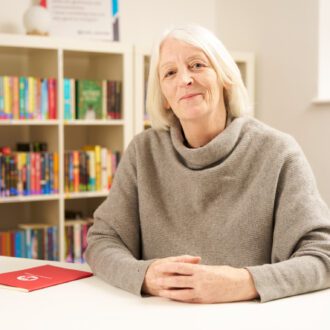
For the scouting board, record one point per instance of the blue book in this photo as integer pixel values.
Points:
(46, 177)
(27, 233)
(51, 173)
(55, 242)
(71, 172)
(12, 176)
(19, 244)
(67, 98)
(44, 99)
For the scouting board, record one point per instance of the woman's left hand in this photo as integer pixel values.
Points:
(205, 284)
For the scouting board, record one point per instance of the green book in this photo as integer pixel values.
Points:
(89, 99)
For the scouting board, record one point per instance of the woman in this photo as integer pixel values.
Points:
(211, 205)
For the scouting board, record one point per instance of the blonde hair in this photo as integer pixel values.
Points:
(235, 93)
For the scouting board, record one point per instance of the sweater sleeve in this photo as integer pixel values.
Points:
(114, 242)
(300, 260)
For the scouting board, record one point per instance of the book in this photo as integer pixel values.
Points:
(89, 99)
(35, 278)
(41, 240)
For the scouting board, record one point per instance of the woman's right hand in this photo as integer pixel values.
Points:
(152, 276)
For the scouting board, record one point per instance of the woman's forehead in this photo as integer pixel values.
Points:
(172, 48)
(177, 44)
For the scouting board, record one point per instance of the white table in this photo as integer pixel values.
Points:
(92, 304)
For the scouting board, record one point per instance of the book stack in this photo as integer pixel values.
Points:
(92, 99)
(28, 98)
(76, 239)
(37, 241)
(31, 170)
(90, 169)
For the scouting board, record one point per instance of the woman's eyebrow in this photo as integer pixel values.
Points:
(199, 55)
(166, 64)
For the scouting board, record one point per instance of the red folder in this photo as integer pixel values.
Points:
(40, 277)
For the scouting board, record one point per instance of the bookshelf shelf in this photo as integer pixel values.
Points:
(61, 58)
(244, 60)
(27, 122)
(81, 122)
(32, 198)
(91, 194)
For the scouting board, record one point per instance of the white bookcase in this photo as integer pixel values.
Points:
(47, 57)
(244, 60)
(59, 58)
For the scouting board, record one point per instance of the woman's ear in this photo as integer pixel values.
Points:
(166, 105)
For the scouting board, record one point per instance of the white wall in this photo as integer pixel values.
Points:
(283, 35)
(143, 20)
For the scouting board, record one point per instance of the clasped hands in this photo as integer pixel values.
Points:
(183, 278)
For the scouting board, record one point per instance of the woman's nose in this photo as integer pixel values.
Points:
(185, 78)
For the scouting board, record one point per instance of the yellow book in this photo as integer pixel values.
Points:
(15, 97)
(98, 168)
(7, 97)
(31, 97)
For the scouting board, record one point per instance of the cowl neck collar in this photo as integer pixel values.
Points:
(214, 151)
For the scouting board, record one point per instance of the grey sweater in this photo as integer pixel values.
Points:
(246, 199)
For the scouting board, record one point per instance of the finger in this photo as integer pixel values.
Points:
(186, 295)
(185, 258)
(176, 268)
(175, 282)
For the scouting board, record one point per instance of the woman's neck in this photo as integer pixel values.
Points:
(199, 133)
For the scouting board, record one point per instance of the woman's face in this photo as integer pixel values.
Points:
(188, 81)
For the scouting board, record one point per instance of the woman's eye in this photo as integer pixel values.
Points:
(169, 73)
(197, 65)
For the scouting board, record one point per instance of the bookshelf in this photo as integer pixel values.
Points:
(244, 60)
(48, 57)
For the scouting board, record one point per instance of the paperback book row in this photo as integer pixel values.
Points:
(28, 98)
(36, 241)
(76, 239)
(30, 170)
(89, 169)
(92, 99)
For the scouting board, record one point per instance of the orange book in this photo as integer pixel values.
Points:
(76, 171)
(56, 183)
(40, 277)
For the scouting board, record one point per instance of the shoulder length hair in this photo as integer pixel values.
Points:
(235, 93)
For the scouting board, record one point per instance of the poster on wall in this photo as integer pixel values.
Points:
(89, 19)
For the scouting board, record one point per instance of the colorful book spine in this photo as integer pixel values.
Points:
(44, 99)
(76, 239)
(28, 98)
(37, 241)
(52, 98)
(2, 101)
(22, 100)
(15, 97)
(28, 173)
(7, 98)
(31, 98)
(67, 99)
(90, 169)
(92, 99)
